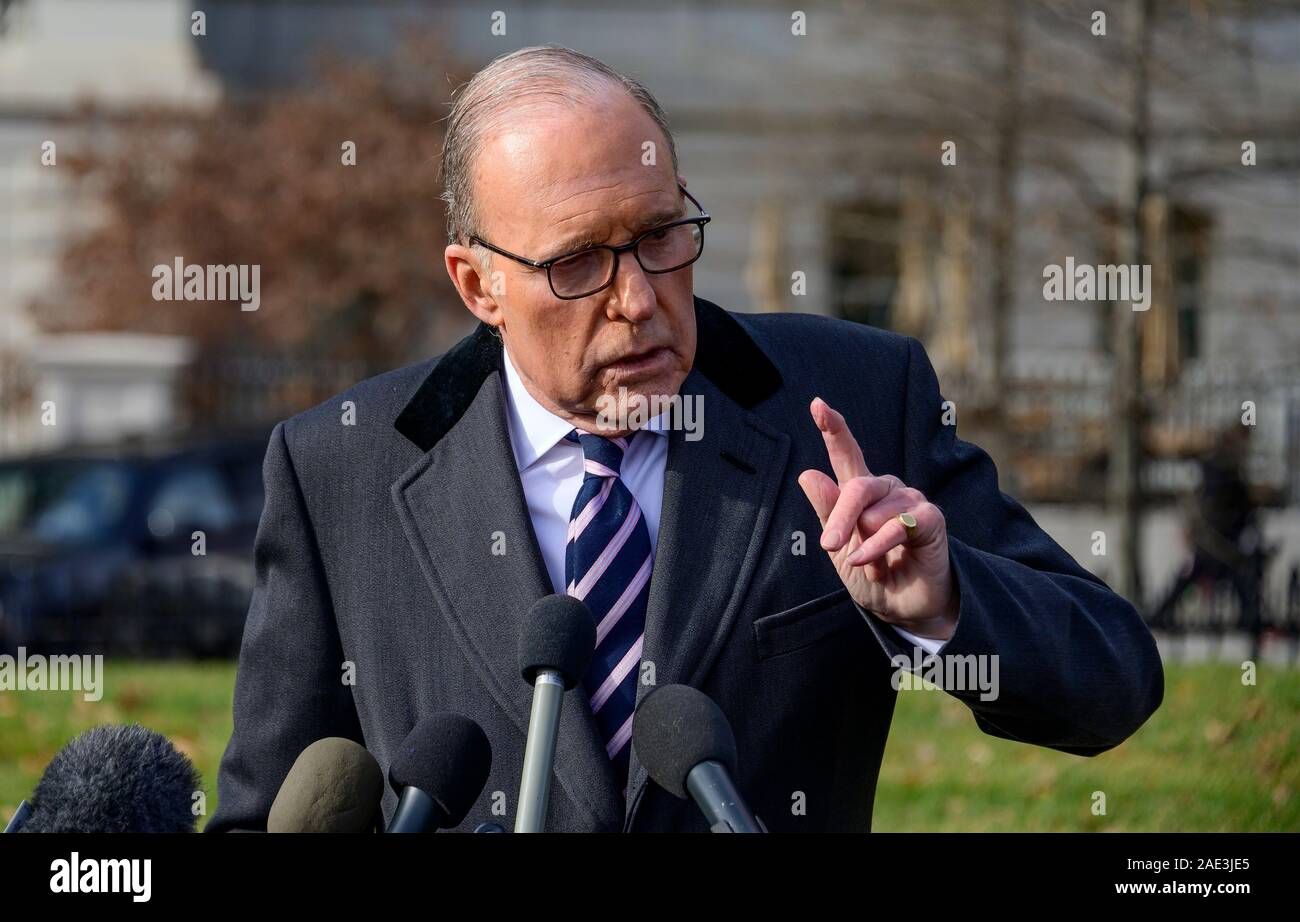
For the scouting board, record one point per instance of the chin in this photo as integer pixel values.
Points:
(662, 385)
(625, 406)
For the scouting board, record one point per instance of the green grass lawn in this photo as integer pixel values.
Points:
(1216, 756)
(189, 703)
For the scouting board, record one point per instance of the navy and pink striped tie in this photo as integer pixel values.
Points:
(607, 564)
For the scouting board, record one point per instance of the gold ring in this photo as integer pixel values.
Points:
(909, 523)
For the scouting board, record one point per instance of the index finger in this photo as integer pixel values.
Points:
(845, 454)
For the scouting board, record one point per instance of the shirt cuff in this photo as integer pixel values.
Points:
(928, 644)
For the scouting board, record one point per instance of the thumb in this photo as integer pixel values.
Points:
(822, 492)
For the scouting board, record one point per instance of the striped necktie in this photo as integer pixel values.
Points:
(607, 564)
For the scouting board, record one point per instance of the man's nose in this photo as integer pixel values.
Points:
(633, 295)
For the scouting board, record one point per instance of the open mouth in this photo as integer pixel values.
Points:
(640, 362)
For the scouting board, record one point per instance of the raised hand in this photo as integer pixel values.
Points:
(888, 542)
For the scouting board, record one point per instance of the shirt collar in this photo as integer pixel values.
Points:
(535, 430)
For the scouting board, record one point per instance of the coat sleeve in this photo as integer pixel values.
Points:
(1077, 668)
(289, 689)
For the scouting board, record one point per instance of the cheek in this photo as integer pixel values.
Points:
(676, 300)
(565, 352)
(674, 285)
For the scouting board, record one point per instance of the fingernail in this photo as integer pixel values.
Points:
(830, 537)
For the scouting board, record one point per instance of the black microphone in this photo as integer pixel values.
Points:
(115, 779)
(558, 641)
(334, 786)
(686, 745)
(20, 816)
(438, 773)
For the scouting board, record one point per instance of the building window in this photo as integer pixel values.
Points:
(1189, 250)
(864, 261)
(1185, 243)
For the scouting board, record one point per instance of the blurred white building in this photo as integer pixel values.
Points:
(55, 55)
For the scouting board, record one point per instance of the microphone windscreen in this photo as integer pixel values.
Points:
(560, 634)
(115, 779)
(448, 757)
(677, 727)
(334, 786)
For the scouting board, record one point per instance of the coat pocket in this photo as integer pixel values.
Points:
(805, 624)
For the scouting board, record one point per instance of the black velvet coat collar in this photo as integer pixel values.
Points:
(724, 353)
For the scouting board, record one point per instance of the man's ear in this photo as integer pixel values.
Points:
(478, 287)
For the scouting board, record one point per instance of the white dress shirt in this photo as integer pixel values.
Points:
(551, 471)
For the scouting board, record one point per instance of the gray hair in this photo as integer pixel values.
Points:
(543, 73)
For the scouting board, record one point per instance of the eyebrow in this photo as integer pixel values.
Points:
(582, 240)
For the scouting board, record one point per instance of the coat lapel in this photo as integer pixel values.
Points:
(451, 502)
(719, 493)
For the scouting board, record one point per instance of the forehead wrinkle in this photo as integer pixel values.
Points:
(591, 236)
(558, 202)
(602, 211)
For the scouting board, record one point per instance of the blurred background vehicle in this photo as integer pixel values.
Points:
(140, 548)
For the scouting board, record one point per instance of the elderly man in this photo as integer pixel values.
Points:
(397, 557)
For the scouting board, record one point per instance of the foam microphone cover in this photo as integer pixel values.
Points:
(448, 757)
(115, 779)
(677, 727)
(334, 786)
(560, 634)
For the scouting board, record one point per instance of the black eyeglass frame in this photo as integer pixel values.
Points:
(702, 219)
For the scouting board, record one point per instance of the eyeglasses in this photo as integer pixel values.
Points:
(584, 272)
